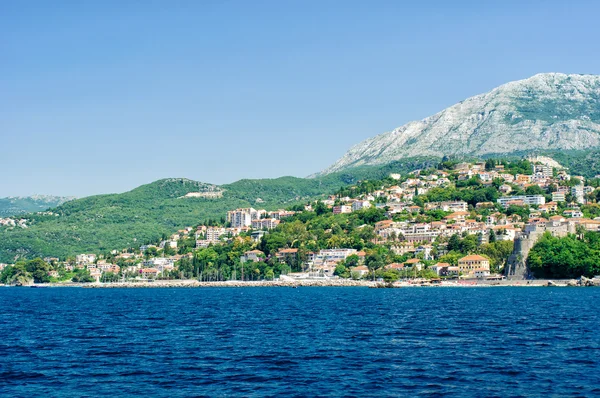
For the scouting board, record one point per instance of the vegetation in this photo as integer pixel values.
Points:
(147, 214)
(568, 257)
(104, 223)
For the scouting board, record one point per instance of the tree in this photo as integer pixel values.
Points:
(374, 262)
(341, 270)
(566, 257)
(468, 244)
(321, 208)
(39, 270)
(390, 276)
(534, 190)
(454, 243)
(498, 253)
(352, 261)
(151, 252)
(83, 276)
(109, 277)
(15, 275)
(168, 250)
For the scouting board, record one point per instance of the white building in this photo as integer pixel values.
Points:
(361, 204)
(543, 170)
(342, 209)
(161, 264)
(214, 233)
(447, 206)
(85, 258)
(242, 217)
(527, 200)
(335, 255)
(558, 196)
(578, 193)
(265, 223)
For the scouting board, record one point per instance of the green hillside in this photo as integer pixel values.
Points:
(106, 222)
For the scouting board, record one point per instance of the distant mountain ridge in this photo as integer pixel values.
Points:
(14, 205)
(548, 111)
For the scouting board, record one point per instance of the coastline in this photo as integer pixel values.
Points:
(192, 283)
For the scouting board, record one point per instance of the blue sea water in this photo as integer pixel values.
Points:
(479, 342)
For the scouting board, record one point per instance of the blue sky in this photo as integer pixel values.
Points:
(104, 96)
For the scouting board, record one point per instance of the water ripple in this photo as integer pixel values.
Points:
(300, 342)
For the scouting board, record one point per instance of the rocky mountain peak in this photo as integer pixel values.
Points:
(545, 111)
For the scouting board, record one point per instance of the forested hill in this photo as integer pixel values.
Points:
(107, 222)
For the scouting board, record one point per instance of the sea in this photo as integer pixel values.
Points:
(303, 342)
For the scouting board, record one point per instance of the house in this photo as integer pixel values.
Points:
(252, 256)
(447, 206)
(414, 209)
(257, 235)
(279, 214)
(285, 255)
(361, 204)
(484, 205)
(85, 258)
(361, 270)
(549, 207)
(468, 264)
(397, 266)
(450, 271)
(573, 213)
(425, 250)
(522, 179)
(334, 255)
(505, 232)
(481, 273)
(143, 248)
(163, 263)
(342, 209)
(149, 273)
(414, 263)
(169, 244)
(458, 216)
(439, 267)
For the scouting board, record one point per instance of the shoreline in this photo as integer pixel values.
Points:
(321, 283)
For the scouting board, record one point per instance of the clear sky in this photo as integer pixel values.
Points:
(103, 96)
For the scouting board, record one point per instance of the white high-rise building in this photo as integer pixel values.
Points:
(242, 217)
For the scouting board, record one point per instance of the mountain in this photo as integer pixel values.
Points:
(29, 204)
(548, 111)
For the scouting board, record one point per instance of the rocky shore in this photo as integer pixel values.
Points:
(583, 282)
(192, 283)
(195, 283)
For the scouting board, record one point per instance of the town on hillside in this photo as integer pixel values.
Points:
(458, 221)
